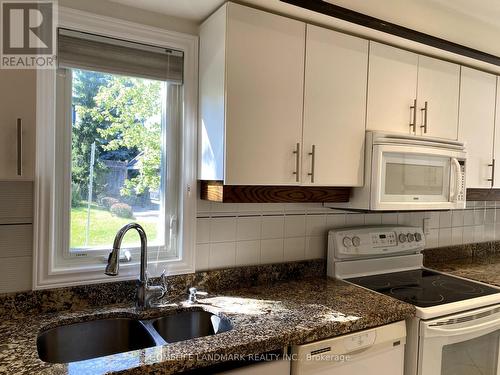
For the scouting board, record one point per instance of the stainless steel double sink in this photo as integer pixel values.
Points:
(101, 337)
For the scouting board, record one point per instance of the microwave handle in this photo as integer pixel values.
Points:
(458, 180)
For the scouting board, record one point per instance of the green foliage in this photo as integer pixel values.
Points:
(86, 85)
(75, 195)
(122, 210)
(131, 108)
(107, 202)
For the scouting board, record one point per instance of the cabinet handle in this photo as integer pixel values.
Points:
(492, 179)
(424, 118)
(413, 116)
(313, 159)
(297, 160)
(19, 147)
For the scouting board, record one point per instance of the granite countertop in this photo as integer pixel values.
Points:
(485, 269)
(264, 318)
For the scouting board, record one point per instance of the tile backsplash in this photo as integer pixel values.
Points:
(230, 234)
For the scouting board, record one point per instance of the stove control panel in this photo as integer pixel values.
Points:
(374, 241)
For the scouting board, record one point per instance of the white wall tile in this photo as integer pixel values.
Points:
(468, 235)
(489, 232)
(273, 227)
(222, 229)
(203, 206)
(316, 247)
(457, 218)
(295, 225)
(271, 251)
(445, 219)
(203, 230)
(373, 219)
(456, 235)
(335, 221)
(247, 252)
(468, 217)
(249, 208)
(478, 233)
(248, 228)
(316, 225)
(404, 218)
(478, 216)
(416, 219)
(202, 256)
(433, 217)
(224, 208)
(432, 239)
(489, 216)
(444, 237)
(354, 219)
(390, 218)
(272, 208)
(222, 254)
(294, 248)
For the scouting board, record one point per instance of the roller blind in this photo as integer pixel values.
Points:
(93, 52)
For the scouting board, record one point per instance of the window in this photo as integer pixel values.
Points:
(123, 149)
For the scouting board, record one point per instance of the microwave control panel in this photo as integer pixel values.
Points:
(375, 241)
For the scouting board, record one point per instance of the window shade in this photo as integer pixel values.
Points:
(92, 52)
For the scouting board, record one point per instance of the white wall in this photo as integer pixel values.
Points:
(462, 22)
(231, 235)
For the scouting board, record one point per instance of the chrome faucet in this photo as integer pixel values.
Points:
(146, 294)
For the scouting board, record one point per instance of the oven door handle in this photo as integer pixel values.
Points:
(438, 331)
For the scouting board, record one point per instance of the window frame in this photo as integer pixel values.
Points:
(48, 271)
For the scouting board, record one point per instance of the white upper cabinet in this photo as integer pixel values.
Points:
(392, 89)
(334, 108)
(408, 93)
(251, 97)
(438, 96)
(17, 124)
(477, 124)
(496, 147)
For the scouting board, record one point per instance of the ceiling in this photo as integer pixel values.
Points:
(195, 10)
(485, 11)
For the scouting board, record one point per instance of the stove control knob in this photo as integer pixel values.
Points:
(418, 237)
(402, 237)
(411, 237)
(347, 242)
(356, 241)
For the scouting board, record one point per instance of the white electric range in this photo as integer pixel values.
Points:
(457, 325)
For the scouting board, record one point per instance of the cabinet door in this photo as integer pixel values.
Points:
(476, 124)
(334, 108)
(392, 88)
(17, 100)
(264, 97)
(438, 85)
(496, 146)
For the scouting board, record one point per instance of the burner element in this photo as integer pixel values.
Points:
(424, 288)
(416, 295)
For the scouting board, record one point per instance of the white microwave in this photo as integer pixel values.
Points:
(405, 172)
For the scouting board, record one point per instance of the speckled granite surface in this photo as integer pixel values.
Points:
(480, 262)
(264, 317)
(95, 295)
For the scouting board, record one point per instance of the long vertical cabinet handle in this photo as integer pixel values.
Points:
(492, 179)
(297, 161)
(424, 118)
(413, 116)
(19, 147)
(313, 159)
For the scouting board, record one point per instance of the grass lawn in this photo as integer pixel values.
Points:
(103, 228)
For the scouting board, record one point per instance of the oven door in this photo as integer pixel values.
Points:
(412, 178)
(466, 343)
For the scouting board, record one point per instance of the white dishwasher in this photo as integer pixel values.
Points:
(376, 351)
